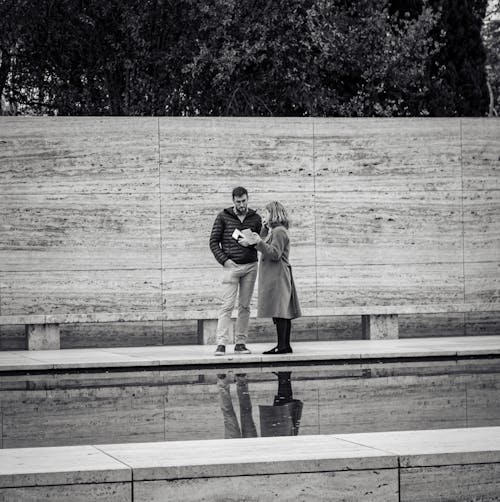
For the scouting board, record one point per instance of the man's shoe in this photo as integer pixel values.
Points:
(240, 348)
(220, 351)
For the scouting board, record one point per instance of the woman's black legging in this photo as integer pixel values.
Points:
(283, 329)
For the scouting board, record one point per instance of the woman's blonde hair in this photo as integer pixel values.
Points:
(277, 215)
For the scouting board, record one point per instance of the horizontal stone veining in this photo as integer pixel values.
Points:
(388, 228)
(386, 154)
(78, 154)
(215, 155)
(81, 291)
(408, 171)
(482, 225)
(80, 232)
(481, 153)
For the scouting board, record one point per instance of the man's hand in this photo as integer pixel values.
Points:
(229, 263)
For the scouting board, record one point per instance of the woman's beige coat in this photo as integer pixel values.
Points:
(277, 294)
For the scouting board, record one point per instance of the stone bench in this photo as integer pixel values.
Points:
(442, 464)
(378, 322)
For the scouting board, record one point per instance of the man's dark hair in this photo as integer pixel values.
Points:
(239, 192)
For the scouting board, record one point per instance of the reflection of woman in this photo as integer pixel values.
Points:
(283, 417)
(277, 294)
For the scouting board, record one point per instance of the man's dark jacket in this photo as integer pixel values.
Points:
(222, 244)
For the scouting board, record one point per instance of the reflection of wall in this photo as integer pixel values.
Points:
(146, 406)
(113, 214)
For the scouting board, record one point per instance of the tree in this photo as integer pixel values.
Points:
(491, 37)
(243, 57)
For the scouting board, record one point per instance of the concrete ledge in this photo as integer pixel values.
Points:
(358, 465)
(59, 466)
(202, 355)
(175, 315)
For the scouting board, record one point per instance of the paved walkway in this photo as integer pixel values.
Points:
(201, 355)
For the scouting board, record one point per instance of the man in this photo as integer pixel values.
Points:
(240, 268)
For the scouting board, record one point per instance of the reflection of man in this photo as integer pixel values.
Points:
(282, 418)
(240, 268)
(231, 426)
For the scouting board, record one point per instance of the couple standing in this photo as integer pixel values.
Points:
(237, 253)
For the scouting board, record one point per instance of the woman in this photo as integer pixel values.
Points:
(277, 295)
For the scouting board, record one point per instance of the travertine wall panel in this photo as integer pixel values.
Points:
(482, 282)
(386, 154)
(86, 198)
(397, 284)
(481, 153)
(193, 412)
(130, 334)
(482, 225)
(80, 232)
(388, 228)
(411, 326)
(83, 416)
(95, 492)
(450, 482)
(380, 485)
(479, 323)
(80, 291)
(78, 154)
(201, 155)
(483, 401)
(393, 404)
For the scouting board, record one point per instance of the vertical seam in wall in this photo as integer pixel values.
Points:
(315, 221)
(466, 408)
(132, 485)
(462, 209)
(399, 479)
(318, 409)
(165, 402)
(161, 227)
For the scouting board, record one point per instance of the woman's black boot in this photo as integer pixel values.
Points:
(281, 330)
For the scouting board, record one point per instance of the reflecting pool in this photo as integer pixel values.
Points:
(227, 402)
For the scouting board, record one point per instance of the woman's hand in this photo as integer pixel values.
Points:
(250, 240)
(256, 238)
(242, 241)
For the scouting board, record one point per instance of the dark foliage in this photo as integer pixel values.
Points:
(243, 57)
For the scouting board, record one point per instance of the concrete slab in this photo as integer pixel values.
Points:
(80, 358)
(20, 360)
(250, 456)
(357, 350)
(435, 447)
(22, 467)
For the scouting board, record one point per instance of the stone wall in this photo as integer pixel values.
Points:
(114, 214)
